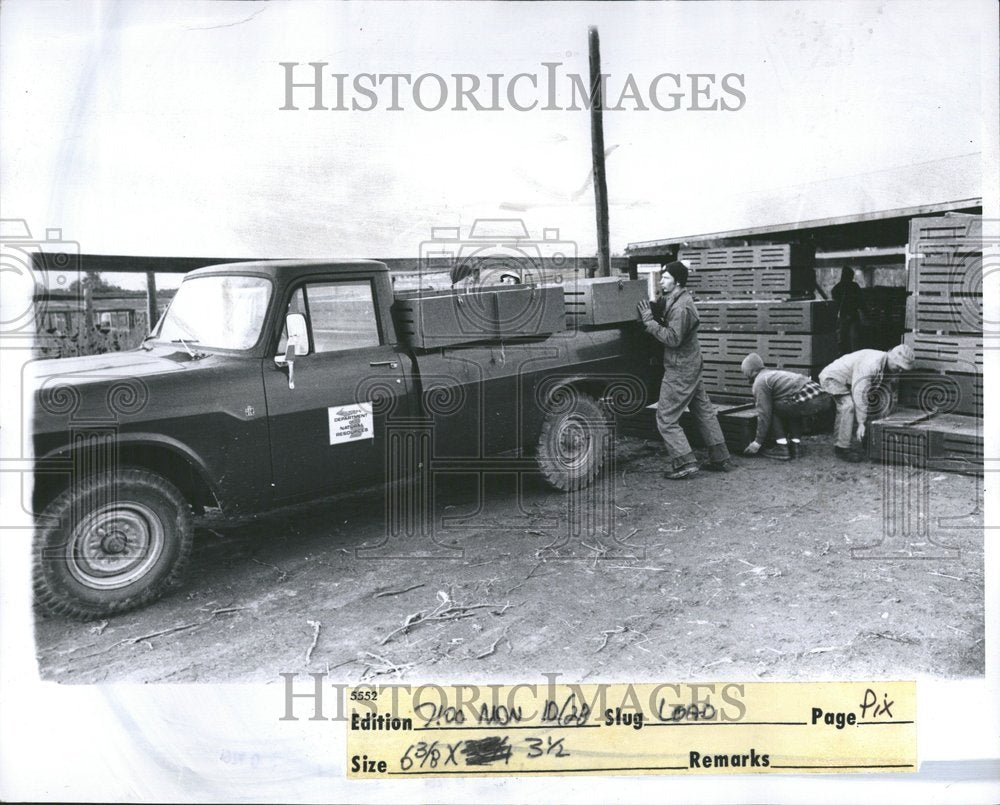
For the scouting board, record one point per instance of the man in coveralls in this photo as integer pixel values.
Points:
(682, 387)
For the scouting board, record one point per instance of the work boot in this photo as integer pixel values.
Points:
(726, 465)
(796, 450)
(681, 473)
(781, 452)
(846, 454)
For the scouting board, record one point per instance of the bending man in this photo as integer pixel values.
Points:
(682, 387)
(849, 379)
(782, 399)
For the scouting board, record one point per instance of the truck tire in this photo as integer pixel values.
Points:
(114, 542)
(573, 440)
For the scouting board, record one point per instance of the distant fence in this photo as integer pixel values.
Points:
(78, 340)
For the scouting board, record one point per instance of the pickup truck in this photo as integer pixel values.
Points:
(269, 383)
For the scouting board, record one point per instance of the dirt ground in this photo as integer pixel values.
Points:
(745, 575)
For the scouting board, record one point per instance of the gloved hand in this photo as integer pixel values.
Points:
(752, 448)
(645, 312)
(861, 431)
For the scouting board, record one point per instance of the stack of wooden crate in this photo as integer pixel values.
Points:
(940, 425)
(750, 299)
(771, 271)
(944, 314)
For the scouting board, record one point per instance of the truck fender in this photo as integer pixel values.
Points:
(55, 458)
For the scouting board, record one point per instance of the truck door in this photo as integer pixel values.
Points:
(327, 434)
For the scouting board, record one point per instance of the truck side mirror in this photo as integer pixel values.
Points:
(297, 344)
(295, 323)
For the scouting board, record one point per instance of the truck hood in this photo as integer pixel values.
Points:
(136, 363)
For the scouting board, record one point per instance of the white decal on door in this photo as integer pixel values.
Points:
(350, 423)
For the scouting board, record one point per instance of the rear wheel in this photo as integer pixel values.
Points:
(112, 543)
(573, 441)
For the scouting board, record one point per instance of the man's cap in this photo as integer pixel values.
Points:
(752, 364)
(902, 357)
(678, 271)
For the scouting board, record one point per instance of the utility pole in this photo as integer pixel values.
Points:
(597, 152)
(152, 309)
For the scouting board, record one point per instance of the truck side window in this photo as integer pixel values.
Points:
(342, 315)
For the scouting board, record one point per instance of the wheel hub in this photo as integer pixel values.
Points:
(574, 441)
(115, 545)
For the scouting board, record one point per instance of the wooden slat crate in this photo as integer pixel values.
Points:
(430, 320)
(945, 442)
(767, 316)
(641, 425)
(775, 350)
(774, 283)
(953, 259)
(602, 300)
(959, 315)
(739, 425)
(725, 378)
(926, 276)
(946, 352)
(730, 400)
(952, 392)
(950, 231)
(738, 421)
(781, 255)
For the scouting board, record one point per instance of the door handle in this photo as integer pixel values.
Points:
(390, 364)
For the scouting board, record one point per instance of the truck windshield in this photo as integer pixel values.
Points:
(224, 312)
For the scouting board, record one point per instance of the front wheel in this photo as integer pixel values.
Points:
(112, 543)
(573, 441)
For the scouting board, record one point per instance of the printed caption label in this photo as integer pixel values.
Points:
(717, 728)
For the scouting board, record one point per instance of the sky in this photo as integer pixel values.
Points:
(156, 129)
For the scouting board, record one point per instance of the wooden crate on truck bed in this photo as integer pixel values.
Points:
(768, 316)
(781, 255)
(776, 350)
(602, 300)
(943, 442)
(446, 318)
